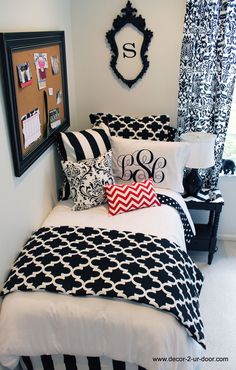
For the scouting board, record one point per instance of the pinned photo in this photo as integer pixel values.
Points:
(55, 64)
(54, 118)
(59, 96)
(24, 74)
(41, 63)
(50, 91)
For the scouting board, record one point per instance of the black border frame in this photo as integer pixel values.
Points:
(128, 15)
(9, 43)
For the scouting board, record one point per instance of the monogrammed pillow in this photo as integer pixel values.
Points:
(137, 160)
(145, 128)
(87, 179)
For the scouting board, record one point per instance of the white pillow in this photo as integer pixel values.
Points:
(137, 160)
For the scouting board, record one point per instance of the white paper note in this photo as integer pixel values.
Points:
(31, 127)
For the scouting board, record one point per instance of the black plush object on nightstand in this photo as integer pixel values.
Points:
(192, 182)
(206, 234)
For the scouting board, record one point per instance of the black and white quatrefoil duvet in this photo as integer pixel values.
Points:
(115, 264)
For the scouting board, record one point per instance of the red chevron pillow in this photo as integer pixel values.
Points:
(128, 197)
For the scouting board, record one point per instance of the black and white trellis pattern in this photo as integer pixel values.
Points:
(207, 73)
(145, 128)
(138, 267)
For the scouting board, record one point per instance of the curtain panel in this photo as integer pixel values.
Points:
(207, 73)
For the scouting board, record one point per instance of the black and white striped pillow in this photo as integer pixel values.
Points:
(70, 362)
(75, 146)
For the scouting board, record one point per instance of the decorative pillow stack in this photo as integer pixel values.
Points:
(124, 198)
(87, 179)
(138, 152)
(77, 146)
(145, 128)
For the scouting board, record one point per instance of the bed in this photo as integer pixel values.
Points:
(59, 313)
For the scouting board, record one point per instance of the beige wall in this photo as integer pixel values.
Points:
(25, 201)
(98, 88)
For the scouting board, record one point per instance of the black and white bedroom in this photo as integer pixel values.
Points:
(118, 153)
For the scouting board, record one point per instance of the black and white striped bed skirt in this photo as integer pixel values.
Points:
(67, 362)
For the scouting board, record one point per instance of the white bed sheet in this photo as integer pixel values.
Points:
(45, 323)
(163, 221)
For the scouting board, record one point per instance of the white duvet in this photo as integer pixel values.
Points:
(45, 323)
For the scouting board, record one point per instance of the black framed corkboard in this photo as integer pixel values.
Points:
(35, 79)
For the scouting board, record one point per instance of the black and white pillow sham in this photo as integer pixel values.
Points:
(146, 128)
(87, 179)
(75, 146)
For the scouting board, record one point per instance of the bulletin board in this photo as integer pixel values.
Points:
(35, 79)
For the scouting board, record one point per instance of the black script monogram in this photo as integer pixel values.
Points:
(141, 165)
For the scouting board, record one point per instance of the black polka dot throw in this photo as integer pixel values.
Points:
(188, 232)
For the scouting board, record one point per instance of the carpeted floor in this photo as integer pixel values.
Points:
(218, 306)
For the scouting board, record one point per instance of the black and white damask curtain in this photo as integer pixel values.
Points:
(207, 73)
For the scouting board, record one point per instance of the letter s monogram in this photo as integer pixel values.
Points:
(143, 158)
(132, 51)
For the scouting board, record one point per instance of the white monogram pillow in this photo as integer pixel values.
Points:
(137, 160)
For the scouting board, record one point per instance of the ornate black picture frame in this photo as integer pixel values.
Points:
(25, 100)
(128, 16)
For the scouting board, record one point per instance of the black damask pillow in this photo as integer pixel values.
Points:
(87, 179)
(145, 128)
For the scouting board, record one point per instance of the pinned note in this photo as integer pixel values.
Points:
(31, 127)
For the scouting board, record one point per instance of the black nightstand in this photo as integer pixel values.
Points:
(206, 234)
